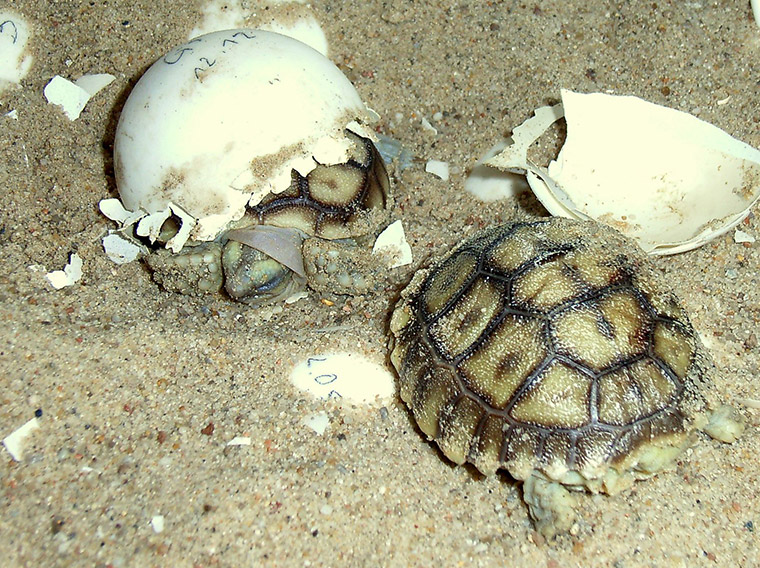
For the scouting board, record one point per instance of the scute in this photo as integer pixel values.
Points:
(633, 392)
(436, 391)
(593, 447)
(486, 447)
(673, 348)
(338, 186)
(332, 202)
(458, 422)
(449, 282)
(508, 254)
(544, 287)
(601, 332)
(463, 323)
(498, 367)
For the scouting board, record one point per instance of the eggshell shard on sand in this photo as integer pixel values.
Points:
(490, 184)
(121, 249)
(16, 440)
(664, 177)
(743, 237)
(392, 241)
(319, 421)
(345, 376)
(114, 210)
(67, 95)
(438, 168)
(157, 523)
(70, 275)
(227, 117)
(93, 83)
(14, 61)
(292, 18)
(72, 97)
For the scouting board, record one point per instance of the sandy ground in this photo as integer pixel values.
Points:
(129, 377)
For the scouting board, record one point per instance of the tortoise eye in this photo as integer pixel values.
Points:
(254, 277)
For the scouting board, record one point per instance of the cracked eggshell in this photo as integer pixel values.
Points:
(15, 61)
(293, 18)
(664, 177)
(219, 122)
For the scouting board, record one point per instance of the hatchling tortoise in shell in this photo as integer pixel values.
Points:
(553, 349)
(311, 234)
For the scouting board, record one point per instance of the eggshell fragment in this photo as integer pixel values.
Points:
(157, 523)
(94, 82)
(70, 275)
(392, 241)
(292, 18)
(662, 176)
(121, 249)
(14, 61)
(114, 210)
(220, 122)
(345, 376)
(438, 168)
(743, 237)
(489, 184)
(67, 95)
(16, 440)
(319, 421)
(72, 97)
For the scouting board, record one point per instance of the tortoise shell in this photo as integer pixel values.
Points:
(552, 346)
(333, 202)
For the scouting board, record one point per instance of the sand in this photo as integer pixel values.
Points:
(140, 390)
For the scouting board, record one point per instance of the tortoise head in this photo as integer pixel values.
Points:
(263, 259)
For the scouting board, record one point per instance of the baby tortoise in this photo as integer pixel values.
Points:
(311, 234)
(554, 350)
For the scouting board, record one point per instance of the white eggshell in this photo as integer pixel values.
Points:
(348, 376)
(74, 96)
(662, 176)
(95, 82)
(16, 440)
(293, 18)
(70, 275)
(318, 421)
(114, 210)
(158, 523)
(221, 121)
(438, 168)
(489, 184)
(14, 59)
(392, 241)
(68, 95)
(121, 249)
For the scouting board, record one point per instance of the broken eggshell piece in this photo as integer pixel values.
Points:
(221, 121)
(664, 177)
(293, 18)
(489, 184)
